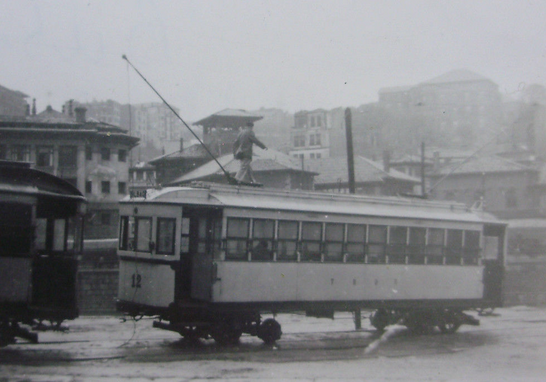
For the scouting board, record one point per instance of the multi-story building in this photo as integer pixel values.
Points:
(154, 123)
(459, 108)
(93, 156)
(310, 137)
(102, 111)
(13, 103)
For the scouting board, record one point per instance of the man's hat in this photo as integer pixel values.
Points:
(250, 124)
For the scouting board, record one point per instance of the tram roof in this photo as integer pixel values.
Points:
(18, 177)
(314, 202)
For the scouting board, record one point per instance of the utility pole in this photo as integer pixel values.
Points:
(351, 177)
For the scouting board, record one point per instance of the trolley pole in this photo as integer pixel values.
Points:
(351, 181)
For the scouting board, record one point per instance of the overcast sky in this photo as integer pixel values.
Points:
(205, 56)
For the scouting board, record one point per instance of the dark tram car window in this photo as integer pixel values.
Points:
(15, 229)
(471, 251)
(356, 239)
(311, 238)
(377, 242)
(397, 248)
(333, 246)
(165, 236)
(416, 248)
(263, 233)
(435, 246)
(237, 239)
(287, 241)
(454, 246)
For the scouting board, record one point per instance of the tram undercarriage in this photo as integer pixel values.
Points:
(226, 326)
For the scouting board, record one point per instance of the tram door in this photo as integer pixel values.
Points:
(201, 230)
(494, 263)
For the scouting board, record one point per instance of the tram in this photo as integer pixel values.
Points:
(209, 260)
(40, 239)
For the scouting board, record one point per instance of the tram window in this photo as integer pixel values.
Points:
(334, 235)
(185, 236)
(471, 249)
(165, 236)
(311, 234)
(454, 246)
(143, 235)
(15, 229)
(376, 243)
(74, 234)
(356, 238)
(59, 232)
(397, 248)
(41, 229)
(263, 232)
(435, 246)
(417, 242)
(237, 238)
(287, 241)
(216, 225)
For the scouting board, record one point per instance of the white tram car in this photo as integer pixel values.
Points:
(210, 259)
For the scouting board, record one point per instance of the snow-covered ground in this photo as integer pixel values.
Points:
(509, 346)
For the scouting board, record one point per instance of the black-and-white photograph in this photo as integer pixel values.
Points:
(273, 190)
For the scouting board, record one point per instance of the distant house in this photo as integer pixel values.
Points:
(504, 187)
(13, 103)
(271, 168)
(371, 178)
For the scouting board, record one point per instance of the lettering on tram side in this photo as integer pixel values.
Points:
(137, 280)
(137, 194)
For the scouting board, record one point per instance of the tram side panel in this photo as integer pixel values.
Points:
(288, 282)
(146, 284)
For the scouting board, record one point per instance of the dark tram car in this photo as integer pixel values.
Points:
(41, 219)
(209, 260)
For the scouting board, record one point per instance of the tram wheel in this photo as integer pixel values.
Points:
(269, 331)
(449, 323)
(380, 319)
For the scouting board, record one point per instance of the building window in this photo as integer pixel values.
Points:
(44, 156)
(20, 153)
(299, 141)
(105, 187)
(122, 188)
(68, 156)
(122, 155)
(88, 187)
(319, 121)
(105, 153)
(511, 198)
(314, 140)
(88, 153)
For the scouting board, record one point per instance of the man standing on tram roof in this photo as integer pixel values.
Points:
(242, 150)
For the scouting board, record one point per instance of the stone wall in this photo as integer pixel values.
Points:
(97, 291)
(525, 282)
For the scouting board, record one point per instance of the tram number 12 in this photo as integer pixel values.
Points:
(137, 279)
